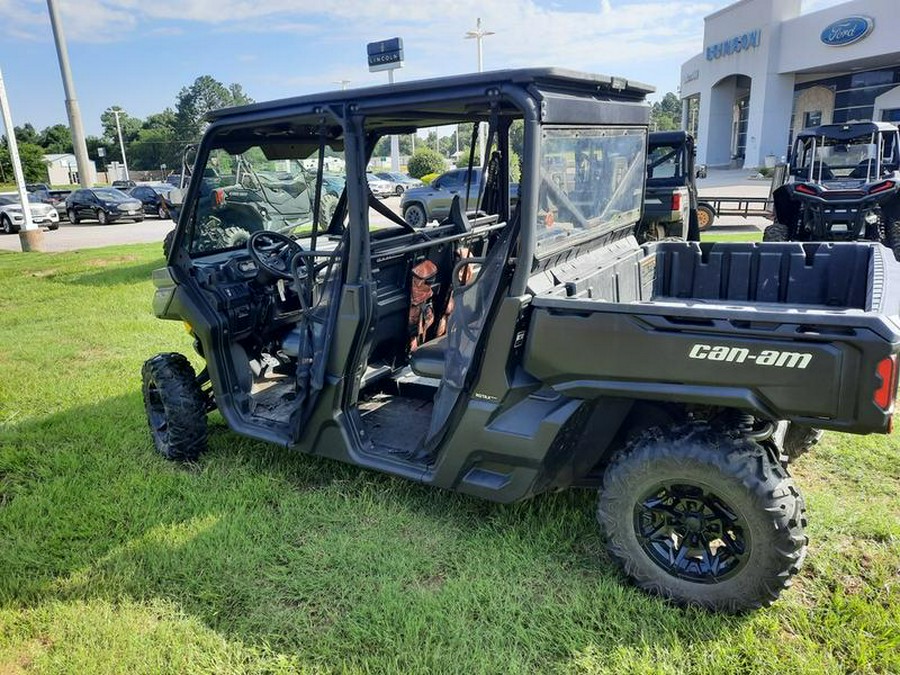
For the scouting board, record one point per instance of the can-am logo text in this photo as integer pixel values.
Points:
(767, 357)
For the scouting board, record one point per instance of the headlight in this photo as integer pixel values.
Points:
(871, 217)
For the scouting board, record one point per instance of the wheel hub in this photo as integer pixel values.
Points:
(691, 533)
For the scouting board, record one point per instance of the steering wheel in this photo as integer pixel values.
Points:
(273, 252)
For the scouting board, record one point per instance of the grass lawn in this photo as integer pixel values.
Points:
(113, 560)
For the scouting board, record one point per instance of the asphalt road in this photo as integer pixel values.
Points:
(92, 235)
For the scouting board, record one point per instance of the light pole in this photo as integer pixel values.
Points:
(478, 35)
(30, 237)
(118, 112)
(74, 112)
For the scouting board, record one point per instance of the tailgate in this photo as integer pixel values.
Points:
(818, 367)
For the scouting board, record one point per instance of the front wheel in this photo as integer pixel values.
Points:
(398, 190)
(703, 518)
(102, 218)
(414, 214)
(73, 217)
(776, 232)
(161, 213)
(176, 407)
(8, 227)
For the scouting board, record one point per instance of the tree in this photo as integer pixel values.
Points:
(154, 147)
(666, 114)
(425, 161)
(33, 165)
(57, 139)
(130, 128)
(27, 134)
(203, 96)
(383, 147)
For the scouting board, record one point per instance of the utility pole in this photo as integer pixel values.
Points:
(118, 112)
(395, 139)
(72, 109)
(478, 35)
(30, 237)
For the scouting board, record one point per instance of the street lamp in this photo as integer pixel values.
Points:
(118, 112)
(478, 35)
(344, 83)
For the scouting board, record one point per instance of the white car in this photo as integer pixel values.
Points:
(12, 218)
(379, 187)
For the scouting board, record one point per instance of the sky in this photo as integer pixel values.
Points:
(138, 54)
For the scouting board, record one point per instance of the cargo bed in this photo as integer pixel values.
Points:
(788, 331)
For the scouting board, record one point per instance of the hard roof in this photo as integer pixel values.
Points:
(551, 78)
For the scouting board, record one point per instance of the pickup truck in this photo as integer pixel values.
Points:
(525, 347)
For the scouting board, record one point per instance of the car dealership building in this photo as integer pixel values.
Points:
(767, 71)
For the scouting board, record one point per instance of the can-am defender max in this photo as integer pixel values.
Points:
(843, 184)
(510, 351)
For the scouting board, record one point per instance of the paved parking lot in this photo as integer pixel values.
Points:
(92, 235)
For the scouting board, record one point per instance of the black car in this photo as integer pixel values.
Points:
(154, 197)
(105, 205)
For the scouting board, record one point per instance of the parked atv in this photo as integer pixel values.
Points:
(843, 184)
(513, 350)
(670, 195)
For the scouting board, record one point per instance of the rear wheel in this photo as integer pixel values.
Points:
(705, 217)
(799, 439)
(161, 213)
(776, 232)
(167, 242)
(414, 214)
(176, 407)
(53, 226)
(703, 518)
(102, 218)
(7, 224)
(73, 217)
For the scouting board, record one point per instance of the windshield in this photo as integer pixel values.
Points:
(112, 195)
(592, 180)
(161, 189)
(260, 189)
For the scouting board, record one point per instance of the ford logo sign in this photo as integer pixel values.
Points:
(847, 31)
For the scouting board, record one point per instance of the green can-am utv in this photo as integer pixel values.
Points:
(510, 350)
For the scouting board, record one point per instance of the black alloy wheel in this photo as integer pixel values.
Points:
(691, 533)
(704, 517)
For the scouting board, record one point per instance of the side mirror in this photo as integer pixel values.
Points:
(176, 197)
(701, 171)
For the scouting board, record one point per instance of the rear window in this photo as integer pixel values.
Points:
(591, 181)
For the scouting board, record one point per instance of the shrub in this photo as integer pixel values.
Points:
(425, 161)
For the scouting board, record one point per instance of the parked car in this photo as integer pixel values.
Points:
(56, 198)
(34, 187)
(123, 184)
(12, 218)
(400, 181)
(430, 202)
(334, 184)
(380, 188)
(106, 205)
(154, 197)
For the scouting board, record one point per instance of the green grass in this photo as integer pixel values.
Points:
(260, 560)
